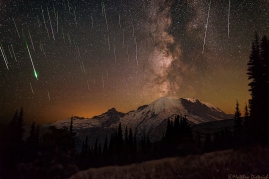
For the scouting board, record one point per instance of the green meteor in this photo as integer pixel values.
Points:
(35, 73)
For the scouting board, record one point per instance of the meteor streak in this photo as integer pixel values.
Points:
(78, 51)
(35, 73)
(134, 40)
(68, 6)
(63, 34)
(54, 12)
(75, 17)
(4, 56)
(104, 13)
(119, 21)
(16, 28)
(102, 4)
(122, 37)
(114, 53)
(42, 49)
(10, 52)
(31, 40)
(69, 38)
(64, 6)
(32, 88)
(50, 24)
(229, 18)
(136, 54)
(83, 68)
(57, 20)
(13, 52)
(45, 22)
(38, 21)
(88, 86)
(206, 26)
(133, 31)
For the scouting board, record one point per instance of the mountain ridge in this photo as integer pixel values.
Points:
(150, 119)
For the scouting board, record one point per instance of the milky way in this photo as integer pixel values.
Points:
(84, 57)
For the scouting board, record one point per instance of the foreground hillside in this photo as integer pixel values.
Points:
(247, 161)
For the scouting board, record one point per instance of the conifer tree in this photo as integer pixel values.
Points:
(99, 149)
(120, 140)
(237, 117)
(83, 149)
(111, 144)
(32, 131)
(126, 136)
(105, 149)
(72, 133)
(32, 142)
(208, 143)
(130, 142)
(13, 127)
(255, 74)
(86, 147)
(95, 150)
(143, 144)
(37, 136)
(176, 124)
(20, 126)
(15, 146)
(135, 144)
(168, 130)
(90, 151)
(264, 55)
(258, 73)
(148, 143)
(31, 148)
(246, 114)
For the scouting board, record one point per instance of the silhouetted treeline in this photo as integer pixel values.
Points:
(50, 155)
(177, 140)
(114, 151)
(258, 74)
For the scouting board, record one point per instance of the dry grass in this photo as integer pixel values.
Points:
(254, 160)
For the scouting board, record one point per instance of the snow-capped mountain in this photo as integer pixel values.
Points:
(80, 123)
(147, 119)
(152, 119)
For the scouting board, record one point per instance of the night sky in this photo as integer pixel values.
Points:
(89, 56)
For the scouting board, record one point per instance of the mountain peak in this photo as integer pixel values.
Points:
(112, 110)
(194, 100)
(163, 103)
